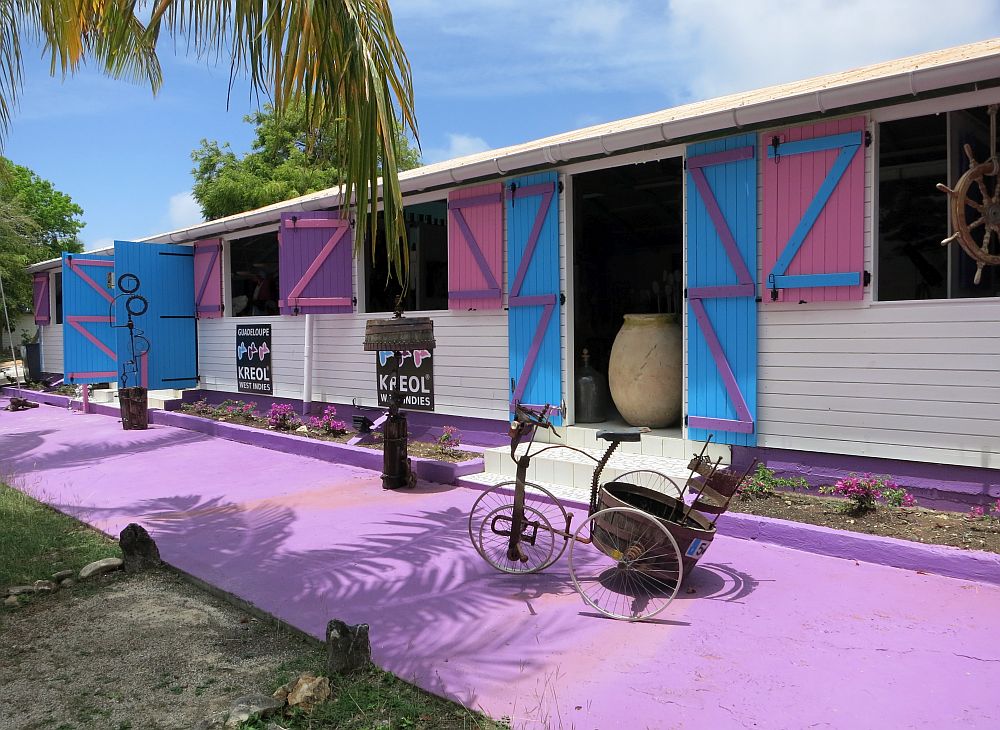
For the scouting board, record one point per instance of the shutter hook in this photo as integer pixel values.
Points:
(775, 143)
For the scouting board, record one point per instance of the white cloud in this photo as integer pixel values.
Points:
(459, 145)
(676, 51)
(184, 211)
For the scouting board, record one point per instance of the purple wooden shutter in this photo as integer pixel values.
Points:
(208, 278)
(813, 214)
(314, 266)
(475, 247)
(40, 288)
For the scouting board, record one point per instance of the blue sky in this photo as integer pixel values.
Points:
(487, 73)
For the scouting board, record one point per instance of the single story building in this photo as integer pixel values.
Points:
(795, 231)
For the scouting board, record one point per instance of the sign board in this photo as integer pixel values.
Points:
(253, 359)
(416, 379)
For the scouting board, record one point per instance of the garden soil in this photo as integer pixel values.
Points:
(906, 523)
(146, 651)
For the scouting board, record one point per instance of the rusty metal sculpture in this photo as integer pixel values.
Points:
(976, 234)
(396, 335)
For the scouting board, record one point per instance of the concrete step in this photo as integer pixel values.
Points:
(660, 442)
(574, 469)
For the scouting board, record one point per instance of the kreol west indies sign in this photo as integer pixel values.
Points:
(416, 379)
(253, 359)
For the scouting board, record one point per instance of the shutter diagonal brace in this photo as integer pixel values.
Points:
(848, 144)
(744, 287)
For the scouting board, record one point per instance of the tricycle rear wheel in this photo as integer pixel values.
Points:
(634, 567)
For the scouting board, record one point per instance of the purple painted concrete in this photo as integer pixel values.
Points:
(771, 637)
(442, 472)
(939, 486)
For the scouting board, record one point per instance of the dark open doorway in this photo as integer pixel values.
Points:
(627, 250)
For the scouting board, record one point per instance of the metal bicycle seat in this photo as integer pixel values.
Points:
(620, 434)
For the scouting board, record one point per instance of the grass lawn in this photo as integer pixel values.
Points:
(373, 699)
(36, 541)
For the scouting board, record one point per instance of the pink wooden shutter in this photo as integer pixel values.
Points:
(314, 265)
(475, 247)
(40, 289)
(208, 278)
(814, 202)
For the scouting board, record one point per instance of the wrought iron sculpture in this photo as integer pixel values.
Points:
(133, 400)
(972, 197)
(397, 334)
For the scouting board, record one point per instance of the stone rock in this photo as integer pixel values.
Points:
(11, 601)
(138, 548)
(18, 590)
(309, 691)
(98, 567)
(62, 575)
(67, 583)
(281, 694)
(45, 586)
(347, 647)
(214, 722)
(251, 706)
(302, 429)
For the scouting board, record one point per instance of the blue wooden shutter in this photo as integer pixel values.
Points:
(534, 294)
(722, 310)
(166, 276)
(88, 340)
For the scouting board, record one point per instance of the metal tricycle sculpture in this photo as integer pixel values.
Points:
(647, 538)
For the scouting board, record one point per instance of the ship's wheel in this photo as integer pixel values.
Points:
(975, 205)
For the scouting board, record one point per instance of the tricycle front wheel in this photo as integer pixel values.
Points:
(495, 506)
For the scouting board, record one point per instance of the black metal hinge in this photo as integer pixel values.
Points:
(685, 420)
(867, 278)
(868, 138)
(562, 298)
(560, 186)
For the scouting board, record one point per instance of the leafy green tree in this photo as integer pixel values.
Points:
(342, 60)
(289, 157)
(37, 222)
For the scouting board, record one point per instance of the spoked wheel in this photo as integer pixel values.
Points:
(533, 551)
(539, 505)
(652, 480)
(633, 569)
(975, 205)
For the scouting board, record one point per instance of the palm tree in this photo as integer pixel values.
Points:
(341, 58)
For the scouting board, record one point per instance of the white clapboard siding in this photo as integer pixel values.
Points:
(217, 353)
(471, 372)
(52, 348)
(916, 381)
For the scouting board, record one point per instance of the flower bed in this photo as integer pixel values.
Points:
(869, 504)
(282, 418)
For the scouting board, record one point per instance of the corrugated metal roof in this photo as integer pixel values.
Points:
(908, 76)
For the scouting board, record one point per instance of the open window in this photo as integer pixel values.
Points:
(916, 154)
(57, 293)
(427, 231)
(627, 249)
(254, 277)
